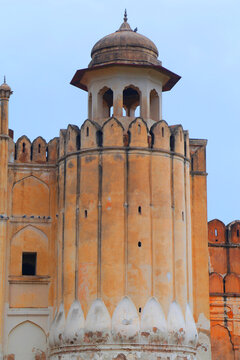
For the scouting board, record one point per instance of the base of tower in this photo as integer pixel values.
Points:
(123, 352)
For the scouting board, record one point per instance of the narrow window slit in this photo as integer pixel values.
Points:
(182, 215)
(185, 148)
(23, 147)
(140, 310)
(85, 214)
(216, 232)
(39, 148)
(237, 233)
(172, 143)
(87, 131)
(140, 210)
(162, 132)
(139, 244)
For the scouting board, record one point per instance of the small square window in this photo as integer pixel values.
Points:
(29, 262)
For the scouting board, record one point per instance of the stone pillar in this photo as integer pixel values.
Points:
(5, 93)
(88, 248)
(139, 247)
(145, 104)
(179, 220)
(117, 102)
(198, 181)
(70, 232)
(162, 230)
(160, 106)
(112, 263)
(188, 222)
(95, 102)
(161, 209)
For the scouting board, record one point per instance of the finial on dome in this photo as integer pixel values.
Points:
(4, 79)
(125, 16)
(125, 25)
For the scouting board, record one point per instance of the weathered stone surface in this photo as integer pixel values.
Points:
(176, 325)
(74, 328)
(98, 324)
(125, 322)
(153, 323)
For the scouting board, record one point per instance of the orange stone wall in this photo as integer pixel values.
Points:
(224, 287)
(109, 211)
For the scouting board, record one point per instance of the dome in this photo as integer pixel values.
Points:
(5, 86)
(5, 90)
(124, 46)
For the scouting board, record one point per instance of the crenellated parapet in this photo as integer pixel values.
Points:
(125, 333)
(36, 152)
(115, 133)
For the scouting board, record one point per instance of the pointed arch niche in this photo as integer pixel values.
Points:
(30, 196)
(28, 290)
(29, 240)
(105, 102)
(131, 100)
(27, 341)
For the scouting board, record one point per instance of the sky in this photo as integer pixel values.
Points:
(43, 43)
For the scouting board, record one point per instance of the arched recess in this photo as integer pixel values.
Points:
(177, 139)
(105, 102)
(52, 147)
(112, 133)
(23, 149)
(232, 283)
(90, 134)
(131, 99)
(39, 148)
(222, 348)
(154, 105)
(29, 240)
(215, 283)
(30, 196)
(216, 231)
(234, 230)
(138, 133)
(73, 138)
(161, 135)
(27, 341)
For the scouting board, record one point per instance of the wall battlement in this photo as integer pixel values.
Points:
(91, 135)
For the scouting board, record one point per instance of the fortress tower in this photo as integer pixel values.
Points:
(104, 229)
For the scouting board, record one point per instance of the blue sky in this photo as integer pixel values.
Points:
(43, 43)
